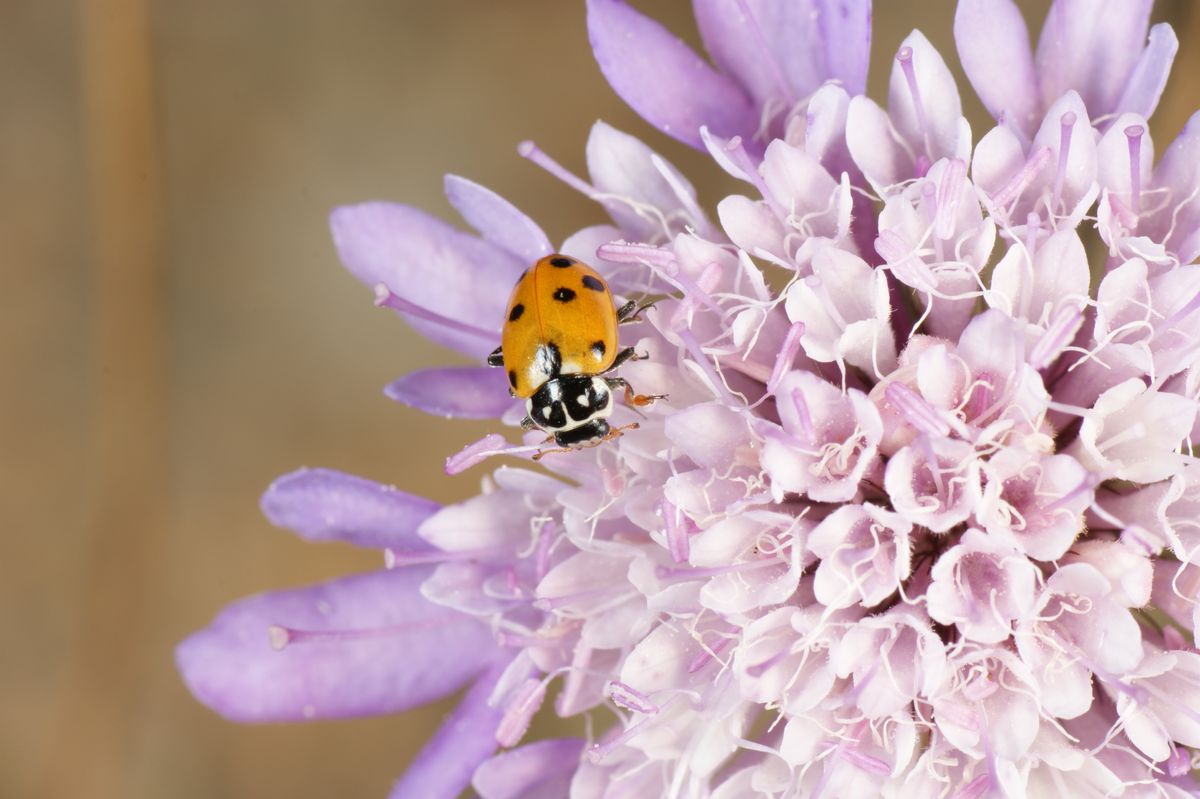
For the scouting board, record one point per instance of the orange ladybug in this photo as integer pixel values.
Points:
(558, 345)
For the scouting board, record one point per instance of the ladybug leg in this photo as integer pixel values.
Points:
(595, 442)
(632, 397)
(627, 354)
(527, 423)
(631, 312)
(496, 358)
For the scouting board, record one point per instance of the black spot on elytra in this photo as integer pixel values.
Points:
(512, 378)
(595, 284)
(562, 262)
(516, 312)
(564, 294)
(598, 349)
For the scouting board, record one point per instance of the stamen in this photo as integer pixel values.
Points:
(786, 356)
(1011, 190)
(555, 602)
(915, 409)
(1087, 484)
(395, 559)
(975, 788)
(804, 416)
(1133, 135)
(385, 297)
(662, 262)
(929, 204)
(677, 531)
(736, 151)
(629, 698)
(701, 660)
(481, 450)
(598, 752)
(527, 149)
(705, 365)
(905, 57)
(949, 193)
(526, 701)
(281, 637)
(1179, 763)
(1033, 225)
(683, 575)
(865, 762)
(542, 558)
(1067, 123)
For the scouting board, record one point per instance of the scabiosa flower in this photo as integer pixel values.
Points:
(920, 522)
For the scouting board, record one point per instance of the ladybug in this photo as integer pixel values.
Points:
(559, 344)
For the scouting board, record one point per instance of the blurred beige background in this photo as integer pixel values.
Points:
(176, 331)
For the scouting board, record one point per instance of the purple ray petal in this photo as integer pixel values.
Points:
(429, 264)
(327, 505)
(1089, 51)
(778, 52)
(456, 392)
(846, 32)
(443, 768)
(662, 78)
(356, 646)
(993, 45)
(1149, 77)
(622, 165)
(540, 770)
(497, 220)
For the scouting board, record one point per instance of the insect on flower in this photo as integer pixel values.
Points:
(558, 345)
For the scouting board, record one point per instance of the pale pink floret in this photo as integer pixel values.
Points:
(828, 442)
(982, 586)
(865, 554)
(1134, 433)
(934, 482)
(1036, 502)
(1074, 631)
(845, 310)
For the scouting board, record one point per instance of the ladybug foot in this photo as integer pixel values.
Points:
(631, 396)
(595, 442)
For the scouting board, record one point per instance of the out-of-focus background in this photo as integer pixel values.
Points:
(176, 331)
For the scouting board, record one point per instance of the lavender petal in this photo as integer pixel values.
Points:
(663, 79)
(993, 45)
(540, 770)
(327, 505)
(1092, 53)
(799, 56)
(431, 265)
(443, 767)
(497, 220)
(1149, 77)
(373, 645)
(455, 392)
(845, 27)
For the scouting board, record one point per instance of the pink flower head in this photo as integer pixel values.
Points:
(917, 512)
